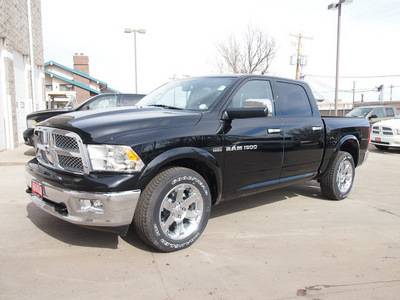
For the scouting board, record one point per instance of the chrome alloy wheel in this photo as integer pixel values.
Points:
(344, 177)
(181, 211)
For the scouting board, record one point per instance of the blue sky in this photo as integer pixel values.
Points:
(181, 36)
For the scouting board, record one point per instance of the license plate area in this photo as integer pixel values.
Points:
(37, 189)
(378, 139)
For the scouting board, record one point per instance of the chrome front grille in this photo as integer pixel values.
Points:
(69, 163)
(61, 150)
(382, 130)
(65, 142)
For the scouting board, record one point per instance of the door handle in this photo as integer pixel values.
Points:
(274, 130)
(316, 128)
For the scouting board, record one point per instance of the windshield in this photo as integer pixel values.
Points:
(191, 93)
(361, 112)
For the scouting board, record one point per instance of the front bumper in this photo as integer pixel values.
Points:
(114, 214)
(385, 140)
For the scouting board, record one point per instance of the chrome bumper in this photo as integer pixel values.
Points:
(111, 209)
(365, 157)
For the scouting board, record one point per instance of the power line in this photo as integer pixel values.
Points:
(387, 10)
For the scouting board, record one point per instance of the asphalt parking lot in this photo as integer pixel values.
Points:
(285, 244)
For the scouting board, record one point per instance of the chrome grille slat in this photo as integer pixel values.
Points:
(61, 150)
(382, 130)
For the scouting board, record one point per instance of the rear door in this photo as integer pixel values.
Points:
(253, 147)
(302, 129)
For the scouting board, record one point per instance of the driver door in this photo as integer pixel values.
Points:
(253, 147)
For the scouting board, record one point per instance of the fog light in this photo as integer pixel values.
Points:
(97, 204)
(85, 203)
(88, 205)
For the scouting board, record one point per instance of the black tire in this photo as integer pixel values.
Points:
(173, 209)
(338, 182)
(381, 147)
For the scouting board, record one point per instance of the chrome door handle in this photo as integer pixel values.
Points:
(316, 128)
(274, 130)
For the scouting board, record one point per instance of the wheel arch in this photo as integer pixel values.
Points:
(196, 159)
(348, 144)
(351, 145)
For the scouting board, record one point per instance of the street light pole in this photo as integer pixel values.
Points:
(338, 6)
(129, 30)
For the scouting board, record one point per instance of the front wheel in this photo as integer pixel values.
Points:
(337, 184)
(173, 209)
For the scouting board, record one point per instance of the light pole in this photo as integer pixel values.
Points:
(129, 30)
(338, 6)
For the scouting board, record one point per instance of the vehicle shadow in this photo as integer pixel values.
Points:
(69, 233)
(373, 149)
(30, 152)
(309, 189)
(79, 236)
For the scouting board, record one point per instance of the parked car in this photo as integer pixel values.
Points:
(96, 102)
(374, 113)
(386, 134)
(187, 146)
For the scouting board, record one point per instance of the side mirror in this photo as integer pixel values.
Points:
(244, 113)
(373, 117)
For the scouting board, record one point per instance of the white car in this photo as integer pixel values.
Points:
(386, 134)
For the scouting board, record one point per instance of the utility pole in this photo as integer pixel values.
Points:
(354, 90)
(298, 52)
(338, 6)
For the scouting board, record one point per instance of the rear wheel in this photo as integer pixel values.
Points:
(338, 182)
(173, 209)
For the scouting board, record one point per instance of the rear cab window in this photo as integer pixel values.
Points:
(292, 100)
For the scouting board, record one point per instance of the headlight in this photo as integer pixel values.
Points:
(114, 158)
(31, 123)
(396, 131)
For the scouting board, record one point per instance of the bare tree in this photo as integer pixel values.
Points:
(254, 54)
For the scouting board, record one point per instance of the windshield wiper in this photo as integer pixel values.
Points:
(165, 106)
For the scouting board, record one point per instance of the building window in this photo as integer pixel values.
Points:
(66, 87)
(49, 88)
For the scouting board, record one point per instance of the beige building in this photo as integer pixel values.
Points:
(21, 67)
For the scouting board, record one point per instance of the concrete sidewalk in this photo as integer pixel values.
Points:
(17, 156)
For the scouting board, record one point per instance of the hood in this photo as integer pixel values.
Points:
(393, 123)
(99, 126)
(41, 115)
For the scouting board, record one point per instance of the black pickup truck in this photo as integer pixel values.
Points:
(187, 146)
(96, 102)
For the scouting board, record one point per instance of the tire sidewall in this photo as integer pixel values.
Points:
(180, 176)
(342, 158)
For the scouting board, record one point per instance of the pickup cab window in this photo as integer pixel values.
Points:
(293, 100)
(254, 93)
(104, 102)
(389, 112)
(378, 112)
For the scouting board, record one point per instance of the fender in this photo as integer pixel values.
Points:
(179, 156)
(345, 139)
(341, 145)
